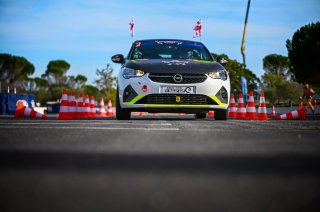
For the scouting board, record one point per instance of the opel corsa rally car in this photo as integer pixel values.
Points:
(171, 76)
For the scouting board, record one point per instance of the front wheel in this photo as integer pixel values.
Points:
(220, 114)
(121, 114)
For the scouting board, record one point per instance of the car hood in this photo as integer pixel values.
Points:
(174, 66)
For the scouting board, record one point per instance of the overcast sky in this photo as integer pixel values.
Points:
(86, 33)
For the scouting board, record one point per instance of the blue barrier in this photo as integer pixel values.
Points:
(3, 103)
(8, 102)
(53, 107)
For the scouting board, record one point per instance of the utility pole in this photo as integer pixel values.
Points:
(244, 34)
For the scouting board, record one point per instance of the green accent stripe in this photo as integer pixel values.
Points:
(202, 61)
(137, 98)
(140, 96)
(218, 101)
(177, 105)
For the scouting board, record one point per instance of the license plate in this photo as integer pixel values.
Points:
(178, 89)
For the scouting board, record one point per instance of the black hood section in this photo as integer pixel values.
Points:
(174, 66)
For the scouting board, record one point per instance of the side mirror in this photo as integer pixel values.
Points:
(220, 59)
(118, 58)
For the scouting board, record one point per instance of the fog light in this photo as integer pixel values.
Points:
(224, 94)
(129, 94)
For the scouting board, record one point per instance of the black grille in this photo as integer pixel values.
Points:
(185, 99)
(186, 78)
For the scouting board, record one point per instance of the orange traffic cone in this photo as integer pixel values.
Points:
(29, 113)
(232, 110)
(109, 109)
(262, 110)
(64, 106)
(102, 110)
(251, 108)
(80, 108)
(210, 113)
(273, 113)
(87, 110)
(22, 110)
(72, 105)
(241, 112)
(92, 108)
(299, 114)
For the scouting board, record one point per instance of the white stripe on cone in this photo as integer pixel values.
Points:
(27, 112)
(295, 114)
(241, 110)
(232, 109)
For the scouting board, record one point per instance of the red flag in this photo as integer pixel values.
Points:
(197, 28)
(131, 24)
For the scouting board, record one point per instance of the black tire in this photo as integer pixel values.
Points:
(200, 115)
(121, 114)
(220, 114)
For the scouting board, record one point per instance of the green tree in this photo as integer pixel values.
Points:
(71, 82)
(276, 88)
(271, 80)
(81, 80)
(105, 81)
(14, 70)
(271, 94)
(56, 72)
(278, 65)
(92, 91)
(76, 82)
(56, 77)
(288, 90)
(41, 83)
(303, 53)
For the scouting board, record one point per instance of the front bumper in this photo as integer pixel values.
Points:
(143, 94)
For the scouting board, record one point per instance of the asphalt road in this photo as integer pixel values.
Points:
(159, 163)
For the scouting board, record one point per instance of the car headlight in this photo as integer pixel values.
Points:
(222, 74)
(129, 72)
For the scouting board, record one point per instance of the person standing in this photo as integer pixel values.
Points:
(308, 93)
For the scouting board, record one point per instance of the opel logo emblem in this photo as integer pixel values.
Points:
(177, 78)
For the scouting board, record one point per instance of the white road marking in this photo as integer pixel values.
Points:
(82, 123)
(91, 128)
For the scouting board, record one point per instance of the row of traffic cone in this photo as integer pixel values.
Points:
(250, 111)
(70, 108)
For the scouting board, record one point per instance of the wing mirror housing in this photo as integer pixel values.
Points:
(118, 58)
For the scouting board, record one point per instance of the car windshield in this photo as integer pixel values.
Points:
(169, 49)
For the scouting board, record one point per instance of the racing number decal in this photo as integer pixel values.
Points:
(178, 99)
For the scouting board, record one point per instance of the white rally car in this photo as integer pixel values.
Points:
(171, 76)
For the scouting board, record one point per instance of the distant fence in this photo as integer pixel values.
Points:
(7, 89)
